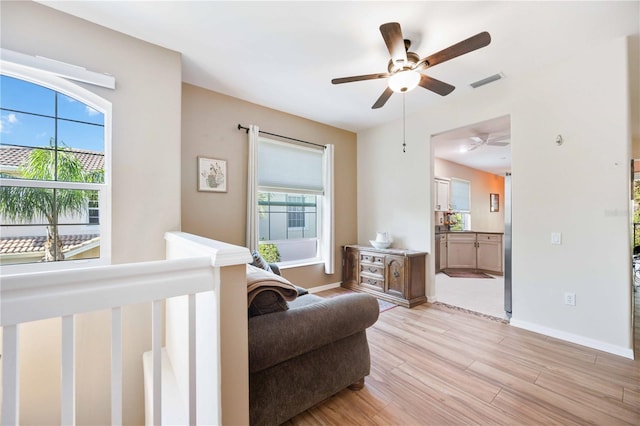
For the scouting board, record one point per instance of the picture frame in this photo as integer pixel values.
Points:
(212, 175)
(494, 203)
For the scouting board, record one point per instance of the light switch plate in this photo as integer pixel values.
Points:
(556, 238)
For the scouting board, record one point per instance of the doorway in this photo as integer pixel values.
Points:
(479, 153)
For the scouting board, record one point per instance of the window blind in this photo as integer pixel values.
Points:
(460, 195)
(286, 167)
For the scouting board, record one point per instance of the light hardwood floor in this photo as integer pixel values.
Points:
(432, 365)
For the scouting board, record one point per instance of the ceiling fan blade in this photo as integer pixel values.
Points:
(465, 46)
(392, 35)
(437, 86)
(359, 78)
(383, 98)
(500, 141)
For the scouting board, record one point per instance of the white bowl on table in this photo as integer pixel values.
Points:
(380, 244)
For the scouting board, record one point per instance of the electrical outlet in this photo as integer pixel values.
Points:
(556, 238)
(569, 299)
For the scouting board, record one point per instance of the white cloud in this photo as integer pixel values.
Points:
(7, 121)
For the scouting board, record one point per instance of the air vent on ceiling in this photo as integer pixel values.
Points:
(487, 80)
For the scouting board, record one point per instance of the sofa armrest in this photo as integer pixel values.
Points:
(277, 337)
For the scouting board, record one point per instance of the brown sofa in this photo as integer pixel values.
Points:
(300, 356)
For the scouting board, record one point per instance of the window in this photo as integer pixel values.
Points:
(295, 212)
(94, 208)
(290, 198)
(287, 216)
(54, 173)
(461, 204)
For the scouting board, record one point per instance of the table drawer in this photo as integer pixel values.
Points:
(372, 258)
(372, 269)
(372, 282)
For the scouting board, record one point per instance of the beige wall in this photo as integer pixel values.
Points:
(145, 196)
(209, 128)
(482, 184)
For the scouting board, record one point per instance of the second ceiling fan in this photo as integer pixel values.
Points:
(405, 68)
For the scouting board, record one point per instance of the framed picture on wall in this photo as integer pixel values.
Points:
(494, 202)
(212, 175)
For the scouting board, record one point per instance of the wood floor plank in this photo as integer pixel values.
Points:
(439, 374)
(434, 365)
(529, 412)
(590, 396)
(552, 399)
(632, 398)
(396, 414)
(459, 397)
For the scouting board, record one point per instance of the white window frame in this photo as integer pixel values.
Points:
(61, 85)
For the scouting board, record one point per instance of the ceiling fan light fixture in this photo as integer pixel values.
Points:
(404, 81)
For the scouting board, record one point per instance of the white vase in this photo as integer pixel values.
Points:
(382, 237)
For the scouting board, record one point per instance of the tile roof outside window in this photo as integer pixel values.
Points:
(13, 156)
(36, 244)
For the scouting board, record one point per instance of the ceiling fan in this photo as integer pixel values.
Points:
(405, 68)
(486, 139)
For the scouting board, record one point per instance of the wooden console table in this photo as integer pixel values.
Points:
(395, 275)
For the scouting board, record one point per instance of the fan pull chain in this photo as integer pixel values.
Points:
(404, 126)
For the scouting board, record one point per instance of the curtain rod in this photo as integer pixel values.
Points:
(241, 127)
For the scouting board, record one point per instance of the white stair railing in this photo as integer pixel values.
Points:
(193, 267)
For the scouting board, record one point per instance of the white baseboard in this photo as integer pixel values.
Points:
(574, 338)
(323, 287)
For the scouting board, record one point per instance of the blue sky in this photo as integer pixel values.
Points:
(18, 128)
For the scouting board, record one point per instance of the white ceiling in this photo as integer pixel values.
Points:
(489, 158)
(283, 55)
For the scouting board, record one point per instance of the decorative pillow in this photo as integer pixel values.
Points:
(267, 292)
(267, 302)
(260, 262)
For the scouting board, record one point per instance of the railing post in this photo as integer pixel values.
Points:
(68, 404)
(192, 361)
(156, 342)
(10, 375)
(116, 366)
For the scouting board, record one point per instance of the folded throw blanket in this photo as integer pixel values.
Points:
(259, 280)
